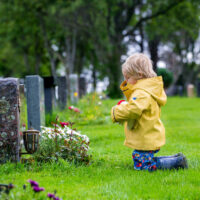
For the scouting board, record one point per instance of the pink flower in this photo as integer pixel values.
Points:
(76, 110)
(63, 124)
(70, 108)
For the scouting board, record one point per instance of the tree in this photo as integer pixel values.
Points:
(124, 19)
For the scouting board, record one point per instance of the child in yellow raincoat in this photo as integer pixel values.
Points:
(140, 114)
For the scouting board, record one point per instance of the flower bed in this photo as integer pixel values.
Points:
(64, 142)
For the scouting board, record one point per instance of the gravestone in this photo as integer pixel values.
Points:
(49, 94)
(73, 78)
(180, 90)
(82, 86)
(35, 101)
(62, 92)
(9, 120)
(190, 90)
(198, 88)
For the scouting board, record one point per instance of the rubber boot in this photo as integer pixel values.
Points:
(172, 162)
(176, 155)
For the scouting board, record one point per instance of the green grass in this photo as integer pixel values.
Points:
(111, 174)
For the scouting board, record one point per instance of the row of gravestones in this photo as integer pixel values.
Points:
(36, 98)
(9, 108)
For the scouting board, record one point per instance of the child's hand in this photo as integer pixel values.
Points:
(121, 102)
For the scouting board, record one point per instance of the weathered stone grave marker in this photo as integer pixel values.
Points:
(35, 101)
(73, 78)
(9, 120)
(49, 94)
(82, 86)
(198, 88)
(62, 92)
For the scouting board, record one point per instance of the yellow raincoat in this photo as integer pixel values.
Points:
(141, 115)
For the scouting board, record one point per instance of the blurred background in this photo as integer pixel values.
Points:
(93, 38)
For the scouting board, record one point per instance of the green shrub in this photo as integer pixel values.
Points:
(166, 75)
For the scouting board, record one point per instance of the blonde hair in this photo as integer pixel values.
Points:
(139, 66)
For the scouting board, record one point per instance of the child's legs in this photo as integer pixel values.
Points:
(144, 160)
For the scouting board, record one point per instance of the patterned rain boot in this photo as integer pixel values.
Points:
(176, 155)
(171, 162)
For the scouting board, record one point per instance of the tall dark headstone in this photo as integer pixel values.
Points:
(9, 120)
(198, 88)
(62, 92)
(35, 101)
(49, 94)
(82, 86)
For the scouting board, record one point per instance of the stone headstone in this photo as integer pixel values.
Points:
(62, 92)
(82, 86)
(35, 101)
(9, 120)
(49, 94)
(180, 90)
(190, 90)
(73, 78)
(198, 88)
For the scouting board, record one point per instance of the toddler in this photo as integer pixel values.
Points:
(140, 114)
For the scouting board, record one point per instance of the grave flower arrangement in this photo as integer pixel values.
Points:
(62, 141)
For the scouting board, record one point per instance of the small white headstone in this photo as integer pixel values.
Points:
(190, 90)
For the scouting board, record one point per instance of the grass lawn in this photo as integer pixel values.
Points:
(111, 174)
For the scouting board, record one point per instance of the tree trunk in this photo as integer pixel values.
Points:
(153, 48)
(115, 73)
(94, 77)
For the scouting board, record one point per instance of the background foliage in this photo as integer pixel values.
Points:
(40, 37)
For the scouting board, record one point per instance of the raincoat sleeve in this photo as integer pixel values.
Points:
(139, 101)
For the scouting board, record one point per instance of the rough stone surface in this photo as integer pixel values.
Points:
(49, 94)
(73, 78)
(198, 88)
(82, 86)
(35, 101)
(62, 92)
(9, 120)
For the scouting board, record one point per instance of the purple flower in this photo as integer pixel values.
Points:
(10, 186)
(50, 195)
(37, 189)
(56, 198)
(33, 183)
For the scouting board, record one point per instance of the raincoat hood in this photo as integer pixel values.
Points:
(153, 86)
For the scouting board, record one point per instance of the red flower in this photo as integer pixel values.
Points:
(70, 108)
(63, 124)
(120, 102)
